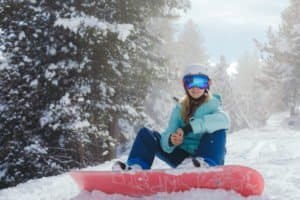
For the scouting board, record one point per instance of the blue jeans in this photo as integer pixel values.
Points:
(147, 145)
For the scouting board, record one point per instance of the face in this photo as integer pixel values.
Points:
(196, 92)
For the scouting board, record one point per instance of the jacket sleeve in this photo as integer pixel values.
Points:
(210, 123)
(173, 125)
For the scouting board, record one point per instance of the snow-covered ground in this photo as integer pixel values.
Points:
(272, 150)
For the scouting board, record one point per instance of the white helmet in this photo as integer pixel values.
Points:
(195, 69)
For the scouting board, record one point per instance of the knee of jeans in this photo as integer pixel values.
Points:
(214, 161)
(216, 136)
(144, 132)
(223, 131)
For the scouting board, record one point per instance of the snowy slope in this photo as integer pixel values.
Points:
(272, 150)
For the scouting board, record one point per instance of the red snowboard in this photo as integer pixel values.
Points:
(243, 180)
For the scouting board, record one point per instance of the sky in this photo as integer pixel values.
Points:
(229, 27)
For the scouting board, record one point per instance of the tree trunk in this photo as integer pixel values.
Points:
(114, 132)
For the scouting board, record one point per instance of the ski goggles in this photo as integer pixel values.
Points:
(198, 81)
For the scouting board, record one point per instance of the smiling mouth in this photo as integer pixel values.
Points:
(196, 93)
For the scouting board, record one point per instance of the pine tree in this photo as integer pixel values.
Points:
(220, 76)
(70, 71)
(281, 62)
(222, 84)
(290, 31)
(251, 96)
(190, 45)
(248, 68)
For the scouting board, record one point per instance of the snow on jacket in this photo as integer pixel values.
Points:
(208, 118)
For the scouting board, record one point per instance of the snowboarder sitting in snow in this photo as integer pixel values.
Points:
(196, 132)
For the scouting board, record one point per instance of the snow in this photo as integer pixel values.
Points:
(46, 118)
(22, 35)
(3, 60)
(283, 46)
(35, 148)
(65, 100)
(2, 107)
(49, 75)
(272, 150)
(81, 124)
(131, 110)
(2, 171)
(296, 29)
(34, 83)
(74, 23)
(127, 129)
(85, 89)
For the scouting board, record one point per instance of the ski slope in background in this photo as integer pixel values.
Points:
(273, 150)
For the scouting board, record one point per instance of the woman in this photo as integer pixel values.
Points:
(196, 130)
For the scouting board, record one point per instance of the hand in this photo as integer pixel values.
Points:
(177, 137)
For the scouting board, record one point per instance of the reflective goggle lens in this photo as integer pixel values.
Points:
(198, 81)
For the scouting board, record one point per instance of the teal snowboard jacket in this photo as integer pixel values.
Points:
(208, 118)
